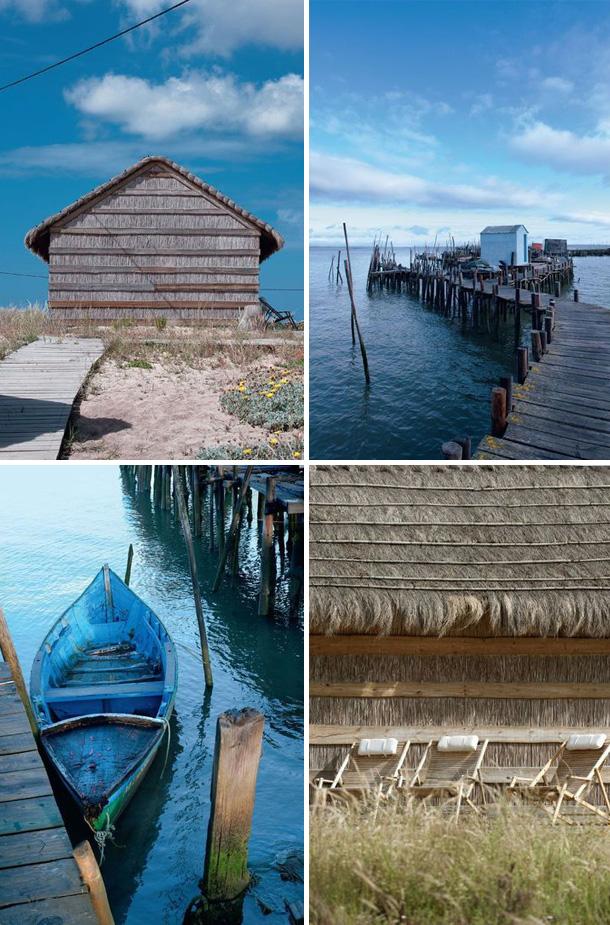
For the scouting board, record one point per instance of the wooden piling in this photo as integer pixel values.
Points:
(350, 287)
(188, 539)
(129, 562)
(92, 877)
(536, 346)
(451, 450)
(264, 598)
(498, 411)
(548, 327)
(9, 654)
(506, 382)
(576, 295)
(522, 364)
(466, 445)
(196, 493)
(233, 528)
(237, 754)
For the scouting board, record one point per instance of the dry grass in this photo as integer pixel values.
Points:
(421, 868)
(22, 326)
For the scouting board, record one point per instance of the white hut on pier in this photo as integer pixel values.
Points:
(504, 243)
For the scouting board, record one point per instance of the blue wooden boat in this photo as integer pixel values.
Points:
(103, 686)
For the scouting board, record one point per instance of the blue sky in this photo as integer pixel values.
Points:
(442, 116)
(216, 86)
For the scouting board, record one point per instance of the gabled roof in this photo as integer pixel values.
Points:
(429, 550)
(502, 229)
(37, 240)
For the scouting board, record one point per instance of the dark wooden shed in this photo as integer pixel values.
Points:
(153, 241)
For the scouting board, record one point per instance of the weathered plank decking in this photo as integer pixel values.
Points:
(562, 410)
(38, 385)
(39, 878)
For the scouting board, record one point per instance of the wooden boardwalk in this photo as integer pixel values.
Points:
(39, 878)
(562, 410)
(38, 385)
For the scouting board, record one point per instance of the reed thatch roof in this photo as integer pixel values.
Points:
(37, 240)
(518, 550)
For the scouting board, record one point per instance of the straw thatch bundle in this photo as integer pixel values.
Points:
(469, 550)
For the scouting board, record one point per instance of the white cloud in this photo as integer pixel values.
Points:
(482, 103)
(347, 179)
(558, 84)
(218, 103)
(34, 10)
(563, 149)
(601, 219)
(218, 27)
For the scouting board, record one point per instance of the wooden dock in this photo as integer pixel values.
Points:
(39, 878)
(562, 409)
(38, 385)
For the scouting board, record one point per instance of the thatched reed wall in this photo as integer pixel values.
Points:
(431, 550)
(154, 241)
(469, 552)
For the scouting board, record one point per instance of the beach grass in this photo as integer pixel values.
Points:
(418, 867)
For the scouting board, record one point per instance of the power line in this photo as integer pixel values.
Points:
(30, 275)
(85, 51)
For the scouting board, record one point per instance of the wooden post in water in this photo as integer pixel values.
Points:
(9, 654)
(536, 346)
(196, 493)
(517, 316)
(92, 878)
(188, 539)
(350, 287)
(498, 411)
(237, 752)
(466, 444)
(451, 450)
(129, 561)
(548, 327)
(233, 528)
(264, 598)
(522, 364)
(576, 295)
(506, 382)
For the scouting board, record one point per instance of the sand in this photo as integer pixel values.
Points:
(168, 412)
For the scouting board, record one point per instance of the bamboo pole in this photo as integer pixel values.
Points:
(350, 287)
(188, 539)
(92, 878)
(233, 528)
(196, 492)
(129, 561)
(264, 598)
(237, 754)
(9, 654)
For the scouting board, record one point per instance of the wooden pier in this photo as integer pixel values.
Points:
(38, 385)
(562, 409)
(40, 881)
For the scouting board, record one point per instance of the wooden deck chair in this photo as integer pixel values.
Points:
(369, 764)
(569, 774)
(449, 767)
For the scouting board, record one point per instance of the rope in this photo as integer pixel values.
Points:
(102, 836)
(169, 738)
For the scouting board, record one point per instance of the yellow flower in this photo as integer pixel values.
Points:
(296, 455)
(273, 441)
(268, 394)
(247, 452)
(241, 388)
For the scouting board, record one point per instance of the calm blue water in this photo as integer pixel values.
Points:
(60, 525)
(431, 381)
(592, 279)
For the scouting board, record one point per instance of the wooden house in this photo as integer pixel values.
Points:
(504, 244)
(451, 600)
(153, 241)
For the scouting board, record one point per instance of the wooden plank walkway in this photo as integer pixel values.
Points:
(38, 385)
(562, 410)
(39, 878)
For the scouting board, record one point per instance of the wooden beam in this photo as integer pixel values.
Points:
(162, 304)
(333, 734)
(105, 232)
(155, 252)
(470, 689)
(456, 645)
(91, 270)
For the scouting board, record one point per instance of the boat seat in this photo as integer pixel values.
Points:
(104, 691)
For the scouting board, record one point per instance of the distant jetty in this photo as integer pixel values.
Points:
(589, 251)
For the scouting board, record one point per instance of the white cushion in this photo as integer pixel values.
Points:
(458, 743)
(579, 743)
(378, 747)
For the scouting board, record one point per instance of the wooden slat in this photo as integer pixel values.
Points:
(456, 646)
(334, 734)
(15, 744)
(95, 270)
(68, 910)
(29, 814)
(38, 881)
(5, 672)
(104, 232)
(25, 785)
(157, 252)
(34, 847)
(160, 304)
(470, 689)
(20, 761)
(85, 289)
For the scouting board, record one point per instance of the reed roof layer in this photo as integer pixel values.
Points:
(38, 238)
(472, 550)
